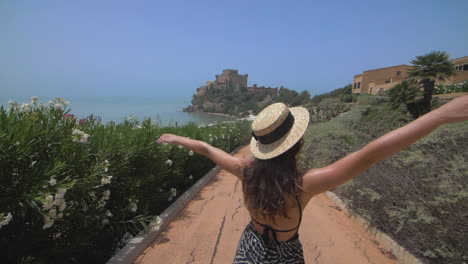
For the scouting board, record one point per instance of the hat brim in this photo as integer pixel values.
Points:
(268, 151)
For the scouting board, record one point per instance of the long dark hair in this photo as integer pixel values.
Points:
(268, 183)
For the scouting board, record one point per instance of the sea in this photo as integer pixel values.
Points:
(166, 112)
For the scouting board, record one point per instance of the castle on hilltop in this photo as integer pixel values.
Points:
(232, 79)
(230, 94)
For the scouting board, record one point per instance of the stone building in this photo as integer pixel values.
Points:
(232, 79)
(379, 80)
(229, 78)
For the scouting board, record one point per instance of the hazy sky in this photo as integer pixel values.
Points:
(169, 48)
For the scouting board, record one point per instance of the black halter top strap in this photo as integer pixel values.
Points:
(273, 230)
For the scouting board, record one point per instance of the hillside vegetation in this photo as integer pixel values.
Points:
(418, 196)
(243, 102)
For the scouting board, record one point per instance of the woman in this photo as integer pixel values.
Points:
(275, 193)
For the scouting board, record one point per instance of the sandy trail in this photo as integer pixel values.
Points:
(209, 228)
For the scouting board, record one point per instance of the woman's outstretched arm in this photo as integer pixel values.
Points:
(224, 160)
(336, 174)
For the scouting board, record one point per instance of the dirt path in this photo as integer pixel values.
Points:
(209, 228)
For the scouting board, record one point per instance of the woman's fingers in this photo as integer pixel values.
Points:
(166, 138)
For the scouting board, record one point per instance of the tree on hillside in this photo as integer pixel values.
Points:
(405, 93)
(429, 68)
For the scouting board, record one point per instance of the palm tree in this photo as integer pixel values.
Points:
(403, 93)
(432, 67)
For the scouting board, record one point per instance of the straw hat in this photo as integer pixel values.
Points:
(276, 129)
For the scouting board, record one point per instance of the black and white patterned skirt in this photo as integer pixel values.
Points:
(253, 248)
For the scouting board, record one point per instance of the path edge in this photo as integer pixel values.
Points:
(137, 246)
(402, 255)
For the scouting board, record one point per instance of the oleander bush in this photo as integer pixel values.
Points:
(74, 191)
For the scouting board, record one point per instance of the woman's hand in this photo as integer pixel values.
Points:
(454, 111)
(226, 161)
(168, 138)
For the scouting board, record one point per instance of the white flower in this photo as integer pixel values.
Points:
(133, 207)
(11, 102)
(84, 138)
(61, 191)
(158, 220)
(106, 165)
(53, 212)
(52, 181)
(49, 202)
(32, 163)
(59, 196)
(109, 214)
(62, 206)
(59, 106)
(190, 153)
(173, 191)
(59, 200)
(48, 222)
(25, 108)
(105, 221)
(6, 221)
(159, 189)
(79, 136)
(106, 180)
(169, 162)
(105, 195)
(34, 99)
(180, 147)
(190, 177)
(49, 198)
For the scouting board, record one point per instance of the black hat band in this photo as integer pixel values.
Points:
(278, 133)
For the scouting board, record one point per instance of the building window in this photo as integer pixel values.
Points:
(398, 73)
(465, 67)
(389, 81)
(355, 85)
(371, 90)
(359, 84)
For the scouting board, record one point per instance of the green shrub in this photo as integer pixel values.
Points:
(71, 190)
(370, 99)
